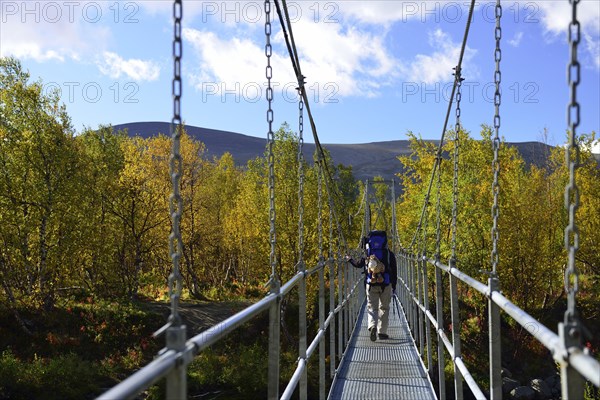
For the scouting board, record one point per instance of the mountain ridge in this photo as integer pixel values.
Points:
(367, 159)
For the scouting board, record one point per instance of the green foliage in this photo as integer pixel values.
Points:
(531, 242)
(531, 222)
(39, 171)
(63, 377)
(234, 368)
(75, 350)
(591, 392)
(90, 214)
(86, 223)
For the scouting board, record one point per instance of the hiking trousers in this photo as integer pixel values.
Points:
(378, 306)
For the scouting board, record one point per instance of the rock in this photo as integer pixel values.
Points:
(541, 388)
(508, 384)
(553, 383)
(523, 393)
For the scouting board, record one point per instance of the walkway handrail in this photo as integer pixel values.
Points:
(293, 383)
(167, 360)
(412, 277)
(589, 367)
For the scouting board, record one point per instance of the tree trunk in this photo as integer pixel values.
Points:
(12, 303)
(138, 264)
(45, 288)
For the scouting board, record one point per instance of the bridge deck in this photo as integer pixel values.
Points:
(384, 369)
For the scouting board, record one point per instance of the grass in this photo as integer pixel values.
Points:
(85, 346)
(76, 351)
(61, 377)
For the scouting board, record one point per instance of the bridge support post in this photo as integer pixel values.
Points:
(394, 224)
(176, 378)
(439, 314)
(571, 382)
(426, 305)
(347, 313)
(332, 352)
(454, 307)
(274, 339)
(302, 329)
(409, 292)
(341, 312)
(494, 341)
(401, 278)
(414, 267)
(419, 281)
(409, 299)
(321, 327)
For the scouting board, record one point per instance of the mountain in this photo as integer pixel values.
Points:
(367, 159)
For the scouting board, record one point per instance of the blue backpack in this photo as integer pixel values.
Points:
(376, 244)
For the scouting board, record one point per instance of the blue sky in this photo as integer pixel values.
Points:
(375, 69)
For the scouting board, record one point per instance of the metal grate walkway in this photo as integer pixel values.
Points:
(384, 369)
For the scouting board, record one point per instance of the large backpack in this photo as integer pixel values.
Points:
(376, 244)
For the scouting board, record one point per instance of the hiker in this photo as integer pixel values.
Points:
(381, 275)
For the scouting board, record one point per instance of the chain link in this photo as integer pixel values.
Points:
(175, 170)
(572, 161)
(424, 242)
(438, 227)
(301, 176)
(320, 211)
(457, 129)
(271, 142)
(496, 141)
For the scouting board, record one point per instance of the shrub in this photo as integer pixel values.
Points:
(63, 377)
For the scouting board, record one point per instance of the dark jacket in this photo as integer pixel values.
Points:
(392, 267)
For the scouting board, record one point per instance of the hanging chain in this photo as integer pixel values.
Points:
(438, 233)
(320, 213)
(457, 129)
(572, 160)
(424, 243)
(331, 242)
(301, 176)
(271, 140)
(496, 141)
(175, 170)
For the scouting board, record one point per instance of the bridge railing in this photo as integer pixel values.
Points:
(341, 317)
(576, 363)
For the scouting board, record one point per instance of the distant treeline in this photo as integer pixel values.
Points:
(91, 211)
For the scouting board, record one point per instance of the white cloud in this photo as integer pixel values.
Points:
(228, 63)
(31, 50)
(594, 146)
(44, 31)
(115, 66)
(516, 40)
(164, 8)
(354, 57)
(593, 48)
(387, 12)
(44, 41)
(437, 66)
(556, 18)
(556, 15)
(354, 62)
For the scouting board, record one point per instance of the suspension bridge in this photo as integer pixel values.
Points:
(406, 365)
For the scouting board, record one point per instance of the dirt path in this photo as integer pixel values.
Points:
(199, 315)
